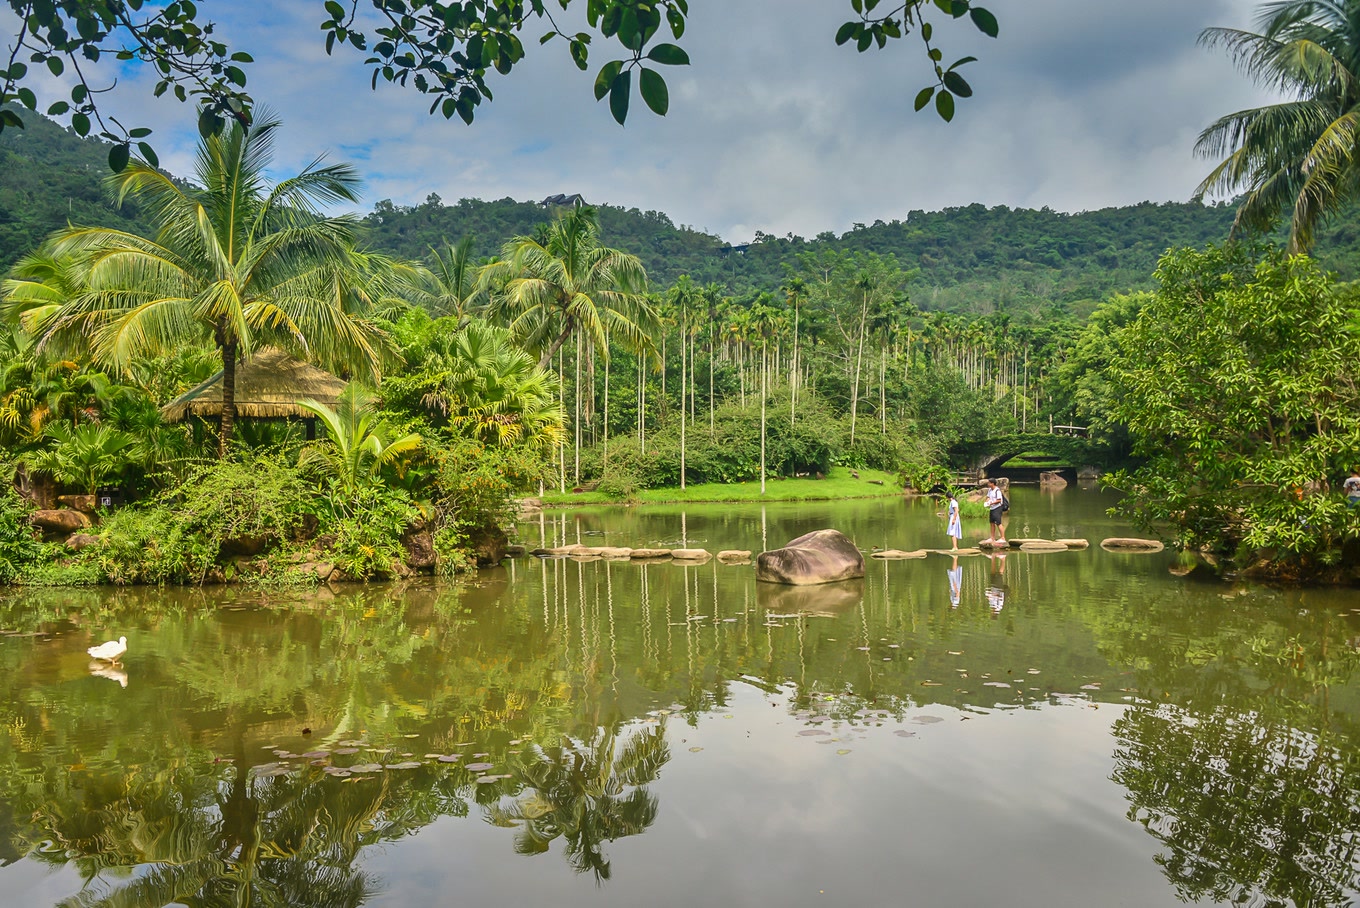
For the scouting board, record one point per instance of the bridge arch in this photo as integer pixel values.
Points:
(992, 453)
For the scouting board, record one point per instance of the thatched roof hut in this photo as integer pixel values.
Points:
(268, 386)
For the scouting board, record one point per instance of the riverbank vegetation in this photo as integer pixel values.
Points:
(1221, 384)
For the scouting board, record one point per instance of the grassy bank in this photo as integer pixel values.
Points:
(838, 484)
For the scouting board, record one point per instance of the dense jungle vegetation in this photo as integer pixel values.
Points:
(499, 348)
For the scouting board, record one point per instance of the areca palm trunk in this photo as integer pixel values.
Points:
(762, 418)
(683, 347)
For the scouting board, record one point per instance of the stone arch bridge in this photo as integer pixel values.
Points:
(987, 456)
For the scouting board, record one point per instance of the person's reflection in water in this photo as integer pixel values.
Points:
(955, 582)
(996, 589)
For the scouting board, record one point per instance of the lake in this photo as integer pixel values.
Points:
(1081, 728)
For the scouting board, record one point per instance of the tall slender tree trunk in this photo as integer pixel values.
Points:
(793, 368)
(576, 476)
(682, 400)
(229, 348)
(605, 468)
(762, 418)
(712, 354)
(859, 367)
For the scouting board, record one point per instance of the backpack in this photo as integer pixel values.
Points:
(1005, 502)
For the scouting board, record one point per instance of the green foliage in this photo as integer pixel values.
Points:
(181, 536)
(19, 545)
(83, 456)
(367, 539)
(476, 484)
(924, 477)
(1236, 382)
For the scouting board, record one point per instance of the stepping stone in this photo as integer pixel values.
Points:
(1075, 543)
(691, 554)
(898, 554)
(1021, 541)
(1130, 544)
(1043, 546)
(570, 550)
(613, 553)
(734, 556)
(650, 554)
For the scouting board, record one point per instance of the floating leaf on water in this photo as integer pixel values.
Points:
(807, 732)
(894, 646)
(517, 741)
(695, 750)
(995, 684)
(346, 751)
(339, 773)
(820, 719)
(431, 757)
(903, 733)
(482, 755)
(366, 767)
(843, 751)
(313, 754)
(829, 741)
(727, 716)
(449, 758)
(1032, 671)
(1095, 686)
(487, 780)
(413, 736)
(862, 649)
(931, 683)
(480, 767)
(409, 764)
(926, 720)
(956, 652)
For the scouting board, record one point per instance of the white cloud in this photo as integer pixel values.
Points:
(774, 128)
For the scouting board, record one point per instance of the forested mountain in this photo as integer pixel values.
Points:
(50, 177)
(972, 259)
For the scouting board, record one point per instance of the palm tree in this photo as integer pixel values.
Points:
(492, 389)
(450, 286)
(1298, 155)
(361, 442)
(234, 261)
(84, 455)
(565, 282)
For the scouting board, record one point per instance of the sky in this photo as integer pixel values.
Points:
(1078, 105)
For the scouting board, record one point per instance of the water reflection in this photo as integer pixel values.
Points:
(269, 739)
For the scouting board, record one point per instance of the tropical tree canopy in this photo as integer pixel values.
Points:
(566, 282)
(236, 262)
(1297, 157)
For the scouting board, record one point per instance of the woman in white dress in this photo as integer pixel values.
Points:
(955, 530)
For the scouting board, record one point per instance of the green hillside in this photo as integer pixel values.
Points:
(49, 177)
(972, 258)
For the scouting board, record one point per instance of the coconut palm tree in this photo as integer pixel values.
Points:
(565, 282)
(1299, 155)
(235, 261)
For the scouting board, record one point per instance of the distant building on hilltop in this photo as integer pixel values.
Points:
(575, 200)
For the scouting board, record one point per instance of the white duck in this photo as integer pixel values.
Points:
(110, 651)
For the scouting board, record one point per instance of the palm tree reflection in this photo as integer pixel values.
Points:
(588, 792)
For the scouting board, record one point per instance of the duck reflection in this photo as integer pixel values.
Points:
(112, 672)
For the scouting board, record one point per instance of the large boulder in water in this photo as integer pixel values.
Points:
(822, 556)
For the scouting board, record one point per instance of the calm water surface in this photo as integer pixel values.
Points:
(1081, 728)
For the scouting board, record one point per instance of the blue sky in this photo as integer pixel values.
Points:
(1079, 105)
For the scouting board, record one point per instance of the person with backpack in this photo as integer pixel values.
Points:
(996, 508)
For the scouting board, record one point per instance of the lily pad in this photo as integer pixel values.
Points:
(808, 732)
(449, 758)
(408, 764)
(480, 767)
(926, 720)
(695, 750)
(487, 780)
(346, 751)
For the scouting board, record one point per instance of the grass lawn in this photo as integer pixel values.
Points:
(838, 484)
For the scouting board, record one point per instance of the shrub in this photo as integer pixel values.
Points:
(367, 539)
(19, 545)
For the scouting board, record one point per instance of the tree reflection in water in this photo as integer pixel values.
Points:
(1242, 805)
(586, 792)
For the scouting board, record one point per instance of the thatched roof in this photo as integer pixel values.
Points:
(268, 386)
